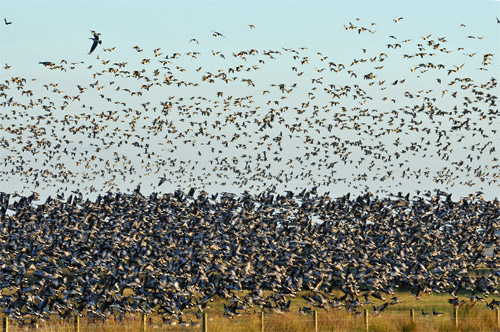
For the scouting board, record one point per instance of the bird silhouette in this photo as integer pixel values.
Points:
(95, 41)
(217, 34)
(5, 20)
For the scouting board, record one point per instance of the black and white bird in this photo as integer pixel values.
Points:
(95, 41)
(7, 23)
(217, 34)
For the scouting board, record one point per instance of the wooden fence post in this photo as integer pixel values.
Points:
(144, 322)
(366, 319)
(455, 317)
(498, 318)
(5, 324)
(262, 321)
(412, 315)
(315, 317)
(204, 323)
(77, 323)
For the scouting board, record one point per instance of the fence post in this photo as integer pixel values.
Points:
(144, 322)
(5, 324)
(455, 316)
(366, 319)
(204, 323)
(315, 317)
(498, 318)
(262, 321)
(77, 323)
(412, 315)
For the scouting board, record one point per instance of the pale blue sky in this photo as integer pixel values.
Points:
(60, 29)
(57, 30)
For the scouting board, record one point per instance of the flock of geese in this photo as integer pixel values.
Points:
(193, 120)
(164, 254)
(226, 120)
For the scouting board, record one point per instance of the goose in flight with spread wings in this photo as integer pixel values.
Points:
(217, 34)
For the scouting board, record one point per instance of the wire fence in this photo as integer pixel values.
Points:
(313, 321)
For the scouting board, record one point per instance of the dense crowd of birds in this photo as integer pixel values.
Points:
(164, 254)
(288, 116)
(189, 119)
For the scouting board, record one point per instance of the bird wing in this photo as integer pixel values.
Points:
(382, 307)
(94, 45)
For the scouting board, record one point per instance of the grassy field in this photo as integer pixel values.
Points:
(394, 318)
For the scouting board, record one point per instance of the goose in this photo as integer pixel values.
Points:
(436, 313)
(378, 310)
(217, 34)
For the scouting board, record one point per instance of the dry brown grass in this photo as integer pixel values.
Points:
(290, 322)
(394, 318)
